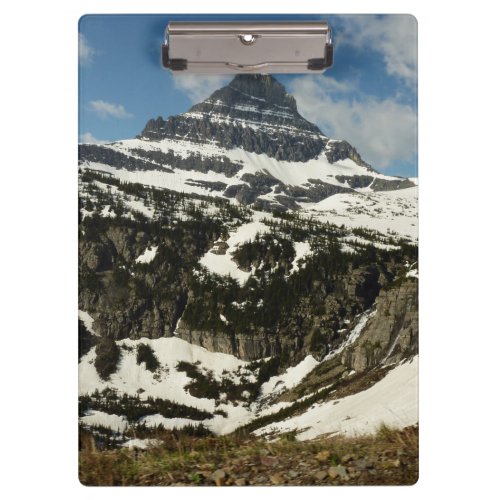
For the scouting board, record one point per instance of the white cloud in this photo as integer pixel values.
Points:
(393, 36)
(199, 87)
(86, 52)
(107, 109)
(383, 131)
(88, 138)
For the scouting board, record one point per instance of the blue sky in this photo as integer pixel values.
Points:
(368, 97)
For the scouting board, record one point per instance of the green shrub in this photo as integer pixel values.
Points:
(107, 357)
(146, 355)
(135, 408)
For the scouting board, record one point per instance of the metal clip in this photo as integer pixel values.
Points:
(248, 47)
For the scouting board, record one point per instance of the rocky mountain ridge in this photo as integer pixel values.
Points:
(253, 112)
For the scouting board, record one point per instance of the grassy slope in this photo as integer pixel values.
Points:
(390, 457)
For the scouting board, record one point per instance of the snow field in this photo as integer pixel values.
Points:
(388, 212)
(392, 401)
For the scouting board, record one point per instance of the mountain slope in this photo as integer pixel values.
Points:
(238, 270)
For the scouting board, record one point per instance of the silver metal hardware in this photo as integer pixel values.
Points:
(248, 47)
(247, 39)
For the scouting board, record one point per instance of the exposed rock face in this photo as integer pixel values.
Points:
(355, 181)
(256, 185)
(124, 306)
(391, 185)
(249, 347)
(213, 341)
(392, 334)
(120, 313)
(259, 346)
(107, 156)
(326, 306)
(253, 112)
(137, 321)
(121, 310)
(317, 190)
(389, 335)
(196, 162)
(115, 243)
(342, 150)
(95, 256)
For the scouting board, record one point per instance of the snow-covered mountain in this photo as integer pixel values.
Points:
(240, 270)
(246, 142)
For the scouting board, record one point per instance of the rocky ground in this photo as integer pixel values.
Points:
(390, 457)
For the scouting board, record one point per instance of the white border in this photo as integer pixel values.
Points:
(459, 174)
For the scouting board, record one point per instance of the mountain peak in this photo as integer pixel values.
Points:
(262, 95)
(257, 114)
(263, 87)
(253, 112)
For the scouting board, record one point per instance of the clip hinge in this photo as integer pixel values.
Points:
(248, 47)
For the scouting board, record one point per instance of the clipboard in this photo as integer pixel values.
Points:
(248, 250)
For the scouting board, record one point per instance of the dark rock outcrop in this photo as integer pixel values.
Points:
(342, 150)
(107, 156)
(317, 190)
(195, 162)
(253, 112)
(256, 185)
(391, 184)
(355, 181)
(324, 308)
(211, 186)
(392, 334)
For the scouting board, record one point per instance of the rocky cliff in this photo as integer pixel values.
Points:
(392, 333)
(253, 112)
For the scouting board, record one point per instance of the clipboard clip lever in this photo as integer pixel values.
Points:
(248, 47)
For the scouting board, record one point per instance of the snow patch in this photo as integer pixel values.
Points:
(290, 378)
(355, 333)
(141, 444)
(302, 250)
(392, 401)
(224, 264)
(117, 423)
(87, 320)
(412, 273)
(148, 255)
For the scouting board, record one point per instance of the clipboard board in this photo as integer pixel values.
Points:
(248, 250)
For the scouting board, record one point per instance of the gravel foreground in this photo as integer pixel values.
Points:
(388, 458)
